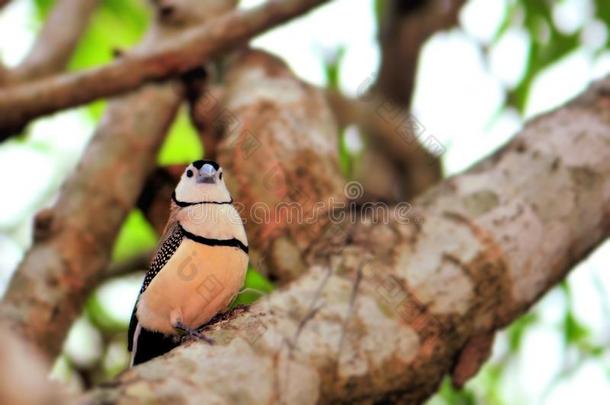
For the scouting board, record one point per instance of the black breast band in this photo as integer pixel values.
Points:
(188, 204)
(215, 242)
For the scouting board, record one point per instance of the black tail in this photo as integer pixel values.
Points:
(151, 344)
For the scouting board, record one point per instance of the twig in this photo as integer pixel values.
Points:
(20, 104)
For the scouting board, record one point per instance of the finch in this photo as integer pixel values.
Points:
(198, 268)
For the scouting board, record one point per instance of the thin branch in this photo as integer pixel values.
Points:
(18, 105)
(280, 149)
(56, 41)
(139, 262)
(392, 127)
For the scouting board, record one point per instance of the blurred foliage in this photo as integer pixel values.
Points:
(255, 286)
(117, 25)
(135, 236)
(454, 396)
(548, 43)
(332, 64)
(183, 144)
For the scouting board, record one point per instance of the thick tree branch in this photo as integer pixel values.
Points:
(20, 104)
(55, 42)
(73, 240)
(388, 305)
(280, 147)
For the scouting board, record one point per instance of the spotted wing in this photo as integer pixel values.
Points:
(167, 247)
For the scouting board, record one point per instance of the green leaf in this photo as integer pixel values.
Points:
(537, 13)
(98, 315)
(255, 286)
(110, 28)
(456, 397)
(331, 68)
(182, 145)
(345, 158)
(42, 8)
(516, 332)
(115, 25)
(574, 331)
(136, 235)
(378, 10)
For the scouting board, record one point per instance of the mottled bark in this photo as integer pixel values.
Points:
(20, 104)
(74, 239)
(280, 148)
(388, 305)
(56, 41)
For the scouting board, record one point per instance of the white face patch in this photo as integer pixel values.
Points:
(190, 189)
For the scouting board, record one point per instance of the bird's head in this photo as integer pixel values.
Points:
(202, 181)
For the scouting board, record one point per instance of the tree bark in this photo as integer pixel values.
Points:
(388, 304)
(20, 104)
(280, 148)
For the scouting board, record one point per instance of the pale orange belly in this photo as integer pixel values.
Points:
(198, 282)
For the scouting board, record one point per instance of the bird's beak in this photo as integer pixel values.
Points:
(207, 174)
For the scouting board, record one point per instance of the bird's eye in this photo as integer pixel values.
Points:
(189, 173)
(220, 176)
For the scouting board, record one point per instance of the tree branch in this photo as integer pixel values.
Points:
(73, 240)
(395, 136)
(55, 42)
(138, 262)
(280, 146)
(388, 305)
(20, 104)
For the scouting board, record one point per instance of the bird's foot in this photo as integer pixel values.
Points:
(187, 334)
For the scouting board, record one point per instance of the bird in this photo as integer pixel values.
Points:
(198, 267)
